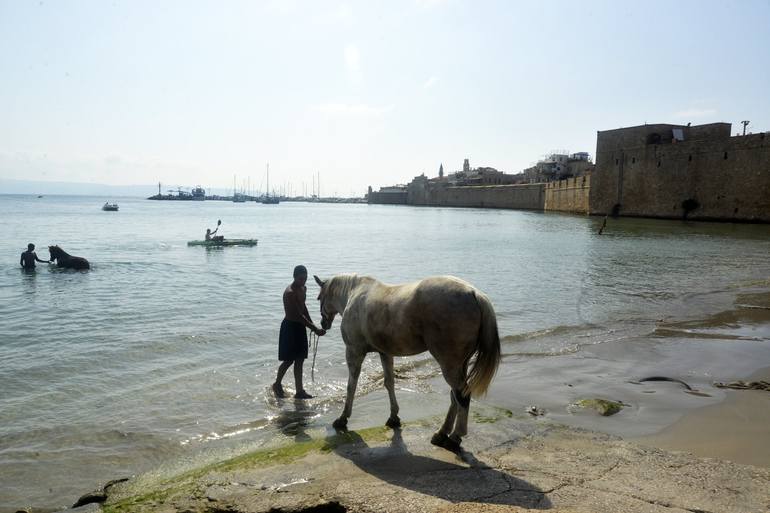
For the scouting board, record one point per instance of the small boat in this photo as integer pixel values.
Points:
(222, 243)
(110, 207)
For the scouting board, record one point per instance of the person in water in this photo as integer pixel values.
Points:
(211, 237)
(29, 257)
(292, 341)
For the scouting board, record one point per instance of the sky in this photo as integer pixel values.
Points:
(359, 93)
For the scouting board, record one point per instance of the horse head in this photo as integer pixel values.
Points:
(327, 310)
(54, 251)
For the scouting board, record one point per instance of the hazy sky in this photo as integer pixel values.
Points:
(366, 93)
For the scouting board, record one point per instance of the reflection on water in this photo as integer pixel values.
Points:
(294, 417)
(176, 346)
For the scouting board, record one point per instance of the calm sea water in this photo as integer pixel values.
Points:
(163, 352)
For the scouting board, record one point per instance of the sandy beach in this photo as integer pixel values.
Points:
(737, 429)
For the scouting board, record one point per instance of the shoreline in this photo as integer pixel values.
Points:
(507, 466)
(545, 463)
(509, 445)
(733, 429)
(666, 405)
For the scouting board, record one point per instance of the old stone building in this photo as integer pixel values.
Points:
(482, 176)
(558, 166)
(676, 171)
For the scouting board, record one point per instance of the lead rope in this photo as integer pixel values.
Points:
(313, 342)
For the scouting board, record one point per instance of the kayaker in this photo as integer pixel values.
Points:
(292, 341)
(211, 237)
(29, 257)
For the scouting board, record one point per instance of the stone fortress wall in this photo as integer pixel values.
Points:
(662, 170)
(388, 198)
(568, 195)
(673, 171)
(524, 196)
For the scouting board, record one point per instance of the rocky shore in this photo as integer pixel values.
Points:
(509, 464)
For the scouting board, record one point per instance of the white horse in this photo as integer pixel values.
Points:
(444, 315)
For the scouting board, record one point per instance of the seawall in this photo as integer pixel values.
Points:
(525, 197)
(569, 195)
(387, 198)
(660, 171)
(719, 178)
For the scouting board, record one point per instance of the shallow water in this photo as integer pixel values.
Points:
(164, 353)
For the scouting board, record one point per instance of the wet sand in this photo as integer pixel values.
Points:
(612, 371)
(737, 429)
(707, 421)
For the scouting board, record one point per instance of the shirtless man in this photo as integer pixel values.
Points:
(292, 342)
(29, 257)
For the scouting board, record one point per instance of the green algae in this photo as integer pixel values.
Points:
(603, 406)
(186, 482)
(490, 417)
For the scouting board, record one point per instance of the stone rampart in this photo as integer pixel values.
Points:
(524, 196)
(568, 195)
(711, 177)
(387, 198)
(662, 170)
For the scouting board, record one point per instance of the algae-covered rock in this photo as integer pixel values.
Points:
(603, 406)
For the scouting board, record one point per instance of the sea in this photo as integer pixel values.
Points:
(160, 357)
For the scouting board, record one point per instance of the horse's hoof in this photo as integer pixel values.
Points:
(443, 441)
(340, 424)
(393, 422)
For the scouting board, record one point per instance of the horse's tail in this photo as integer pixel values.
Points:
(487, 350)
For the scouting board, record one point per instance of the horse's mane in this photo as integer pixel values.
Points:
(340, 285)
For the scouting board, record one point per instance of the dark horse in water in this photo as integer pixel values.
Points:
(64, 259)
